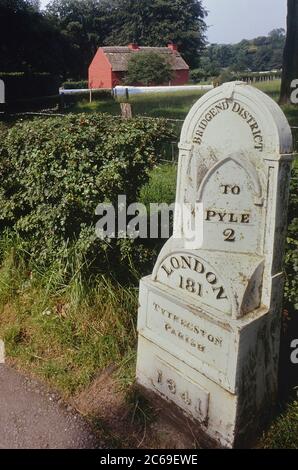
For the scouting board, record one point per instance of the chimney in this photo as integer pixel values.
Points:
(133, 46)
(172, 46)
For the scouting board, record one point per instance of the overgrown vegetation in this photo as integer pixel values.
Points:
(283, 434)
(63, 313)
(62, 328)
(54, 173)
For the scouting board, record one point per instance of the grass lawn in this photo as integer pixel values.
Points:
(174, 105)
(271, 88)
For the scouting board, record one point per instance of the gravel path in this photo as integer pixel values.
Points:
(32, 417)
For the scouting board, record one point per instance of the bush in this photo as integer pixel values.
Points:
(55, 171)
(197, 75)
(73, 85)
(148, 68)
(226, 76)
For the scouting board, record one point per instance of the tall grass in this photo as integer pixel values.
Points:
(271, 88)
(174, 105)
(283, 434)
(64, 331)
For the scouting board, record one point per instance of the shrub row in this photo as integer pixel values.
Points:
(75, 85)
(33, 104)
(55, 171)
(20, 86)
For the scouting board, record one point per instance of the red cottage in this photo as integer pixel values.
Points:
(109, 65)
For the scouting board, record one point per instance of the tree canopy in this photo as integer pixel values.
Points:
(64, 38)
(28, 41)
(158, 22)
(89, 24)
(148, 68)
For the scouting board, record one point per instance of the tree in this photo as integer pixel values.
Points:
(290, 58)
(28, 41)
(158, 22)
(84, 24)
(148, 68)
(259, 54)
(88, 24)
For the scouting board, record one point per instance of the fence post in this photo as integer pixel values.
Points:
(61, 101)
(2, 96)
(126, 111)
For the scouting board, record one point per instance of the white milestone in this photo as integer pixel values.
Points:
(209, 316)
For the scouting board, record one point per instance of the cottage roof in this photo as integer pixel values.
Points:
(118, 56)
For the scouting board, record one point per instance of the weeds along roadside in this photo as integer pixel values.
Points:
(68, 302)
(63, 328)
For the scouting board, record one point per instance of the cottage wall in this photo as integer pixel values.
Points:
(100, 71)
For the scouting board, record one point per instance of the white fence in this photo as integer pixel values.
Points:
(120, 91)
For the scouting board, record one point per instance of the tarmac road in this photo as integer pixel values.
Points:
(32, 417)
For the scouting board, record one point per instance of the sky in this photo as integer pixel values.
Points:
(230, 21)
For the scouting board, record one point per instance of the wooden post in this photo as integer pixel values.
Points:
(126, 111)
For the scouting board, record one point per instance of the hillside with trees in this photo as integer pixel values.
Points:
(257, 55)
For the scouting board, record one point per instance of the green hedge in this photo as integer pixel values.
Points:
(34, 104)
(55, 171)
(20, 86)
(75, 85)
